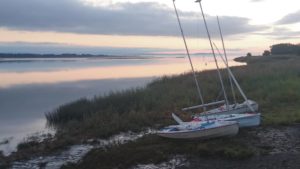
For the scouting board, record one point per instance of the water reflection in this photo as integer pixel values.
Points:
(115, 68)
(22, 108)
(16, 130)
(31, 88)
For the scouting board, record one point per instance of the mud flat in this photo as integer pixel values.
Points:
(278, 147)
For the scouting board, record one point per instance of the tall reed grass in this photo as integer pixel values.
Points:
(273, 81)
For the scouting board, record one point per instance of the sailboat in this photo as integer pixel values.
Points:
(246, 113)
(197, 129)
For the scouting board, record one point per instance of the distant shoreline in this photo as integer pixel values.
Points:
(66, 55)
(12, 58)
(32, 55)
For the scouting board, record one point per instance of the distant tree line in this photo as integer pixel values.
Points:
(266, 53)
(29, 55)
(285, 48)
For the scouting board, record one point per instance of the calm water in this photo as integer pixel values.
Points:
(31, 87)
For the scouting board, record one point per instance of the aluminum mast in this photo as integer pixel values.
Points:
(212, 49)
(188, 53)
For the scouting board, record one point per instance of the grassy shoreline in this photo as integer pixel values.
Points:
(153, 149)
(272, 81)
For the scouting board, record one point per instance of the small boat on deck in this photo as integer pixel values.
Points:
(200, 130)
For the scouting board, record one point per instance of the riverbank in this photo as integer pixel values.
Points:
(274, 83)
(279, 148)
(262, 147)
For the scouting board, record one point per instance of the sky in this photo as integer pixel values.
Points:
(143, 26)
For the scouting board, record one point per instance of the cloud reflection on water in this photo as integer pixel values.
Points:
(22, 107)
(26, 92)
(124, 69)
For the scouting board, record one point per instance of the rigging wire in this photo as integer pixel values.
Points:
(188, 53)
(225, 54)
(213, 52)
(237, 84)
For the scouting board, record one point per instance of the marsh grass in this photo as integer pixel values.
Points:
(272, 81)
(153, 149)
(3, 162)
(274, 84)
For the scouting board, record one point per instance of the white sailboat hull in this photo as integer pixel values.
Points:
(224, 128)
(250, 121)
(244, 120)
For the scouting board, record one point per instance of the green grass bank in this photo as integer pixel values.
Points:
(272, 81)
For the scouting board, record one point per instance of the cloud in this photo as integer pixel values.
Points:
(281, 33)
(233, 25)
(290, 18)
(74, 16)
(257, 0)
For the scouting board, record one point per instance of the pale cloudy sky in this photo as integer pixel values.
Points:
(140, 25)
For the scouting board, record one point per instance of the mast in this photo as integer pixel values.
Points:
(188, 53)
(225, 54)
(235, 81)
(212, 49)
